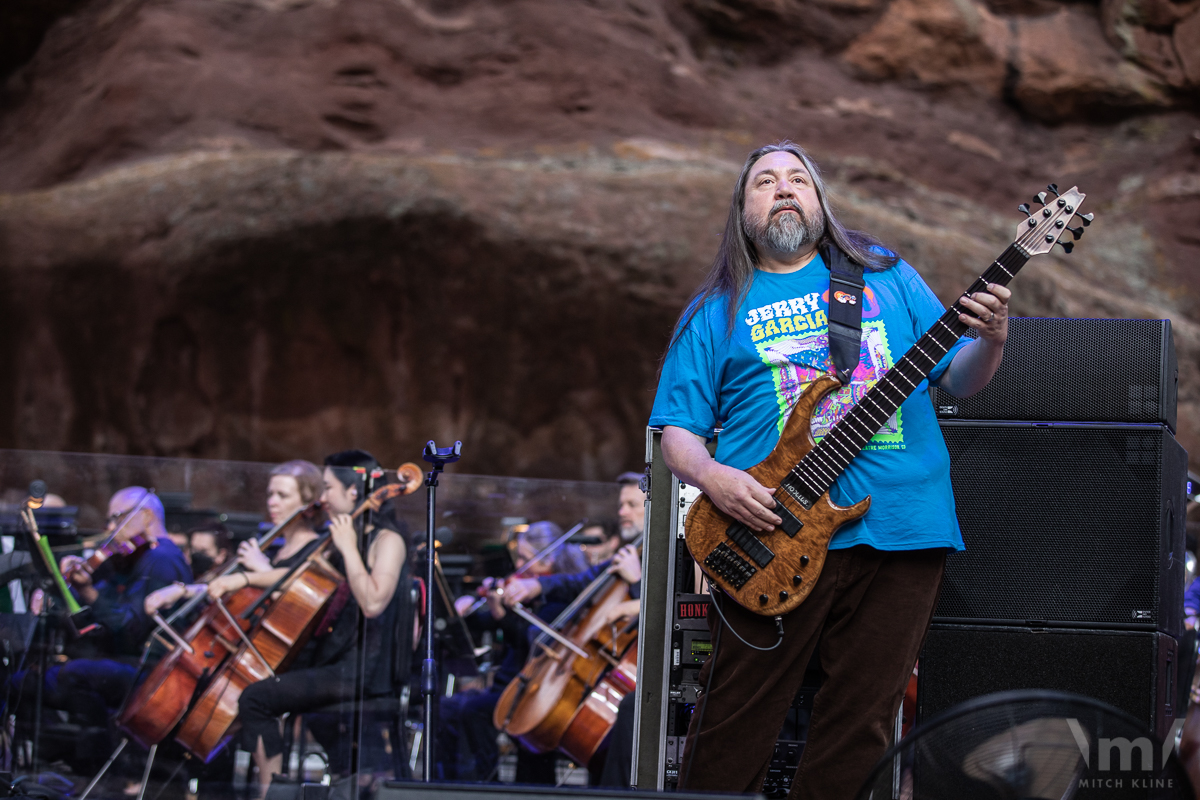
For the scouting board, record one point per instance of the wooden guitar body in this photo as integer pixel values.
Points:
(788, 577)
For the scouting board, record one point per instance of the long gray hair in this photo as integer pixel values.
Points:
(733, 267)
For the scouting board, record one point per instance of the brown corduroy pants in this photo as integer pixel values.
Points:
(869, 612)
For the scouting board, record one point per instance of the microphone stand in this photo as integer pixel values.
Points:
(363, 526)
(439, 458)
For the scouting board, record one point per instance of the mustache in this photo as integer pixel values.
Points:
(783, 205)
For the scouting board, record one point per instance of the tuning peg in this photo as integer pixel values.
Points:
(1040, 197)
(1076, 232)
(1024, 209)
(1087, 218)
(1053, 189)
(1068, 246)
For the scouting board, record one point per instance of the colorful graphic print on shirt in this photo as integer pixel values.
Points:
(796, 346)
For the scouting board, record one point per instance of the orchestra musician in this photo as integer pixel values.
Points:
(610, 541)
(563, 588)
(324, 673)
(467, 747)
(760, 311)
(291, 486)
(102, 666)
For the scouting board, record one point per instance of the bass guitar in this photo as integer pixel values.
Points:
(772, 573)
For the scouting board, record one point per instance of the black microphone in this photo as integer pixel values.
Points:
(37, 494)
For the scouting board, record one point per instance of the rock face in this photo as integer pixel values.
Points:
(274, 228)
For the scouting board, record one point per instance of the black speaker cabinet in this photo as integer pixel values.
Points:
(1132, 670)
(1078, 526)
(1077, 370)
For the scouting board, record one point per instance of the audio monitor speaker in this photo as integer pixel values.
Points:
(1132, 670)
(1077, 370)
(1077, 526)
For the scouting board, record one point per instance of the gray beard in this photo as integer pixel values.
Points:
(784, 233)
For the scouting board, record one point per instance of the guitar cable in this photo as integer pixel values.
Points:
(778, 628)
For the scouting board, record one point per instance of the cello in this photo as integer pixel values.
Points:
(566, 696)
(159, 702)
(282, 631)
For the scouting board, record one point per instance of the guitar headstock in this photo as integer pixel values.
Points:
(1043, 228)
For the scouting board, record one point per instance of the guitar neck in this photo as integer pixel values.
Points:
(817, 471)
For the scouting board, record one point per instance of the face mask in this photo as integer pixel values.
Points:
(201, 563)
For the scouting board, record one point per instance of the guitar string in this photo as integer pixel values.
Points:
(820, 467)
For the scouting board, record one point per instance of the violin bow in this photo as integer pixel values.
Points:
(129, 515)
(260, 543)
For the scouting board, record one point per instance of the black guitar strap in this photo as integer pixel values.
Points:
(845, 311)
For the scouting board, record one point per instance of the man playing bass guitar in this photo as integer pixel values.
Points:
(753, 337)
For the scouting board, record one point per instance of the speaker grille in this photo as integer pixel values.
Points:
(1063, 524)
(1077, 370)
(1130, 670)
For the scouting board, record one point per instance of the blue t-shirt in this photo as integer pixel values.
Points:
(746, 385)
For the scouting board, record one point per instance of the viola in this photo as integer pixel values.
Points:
(566, 696)
(127, 547)
(282, 631)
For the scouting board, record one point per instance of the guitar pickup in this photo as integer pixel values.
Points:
(790, 525)
(729, 566)
(797, 495)
(751, 545)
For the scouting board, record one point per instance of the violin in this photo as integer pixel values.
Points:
(566, 696)
(125, 548)
(489, 584)
(129, 545)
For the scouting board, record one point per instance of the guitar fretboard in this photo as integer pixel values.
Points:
(817, 471)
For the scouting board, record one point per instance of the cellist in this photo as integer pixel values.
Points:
(292, 486)
(467, 748)
(616, 769)
(325, 674)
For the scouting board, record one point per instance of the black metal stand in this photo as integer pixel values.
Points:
(360, 668)
(439, 458)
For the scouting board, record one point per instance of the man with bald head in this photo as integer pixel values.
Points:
(102, 665)
(119, 587)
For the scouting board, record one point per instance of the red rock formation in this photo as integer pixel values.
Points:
(263, 228)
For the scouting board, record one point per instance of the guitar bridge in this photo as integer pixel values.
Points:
(751, 545)
(729, 566)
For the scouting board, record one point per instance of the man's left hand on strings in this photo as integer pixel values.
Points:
(990, 310)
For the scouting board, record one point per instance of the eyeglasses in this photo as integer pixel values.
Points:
(115, 518)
